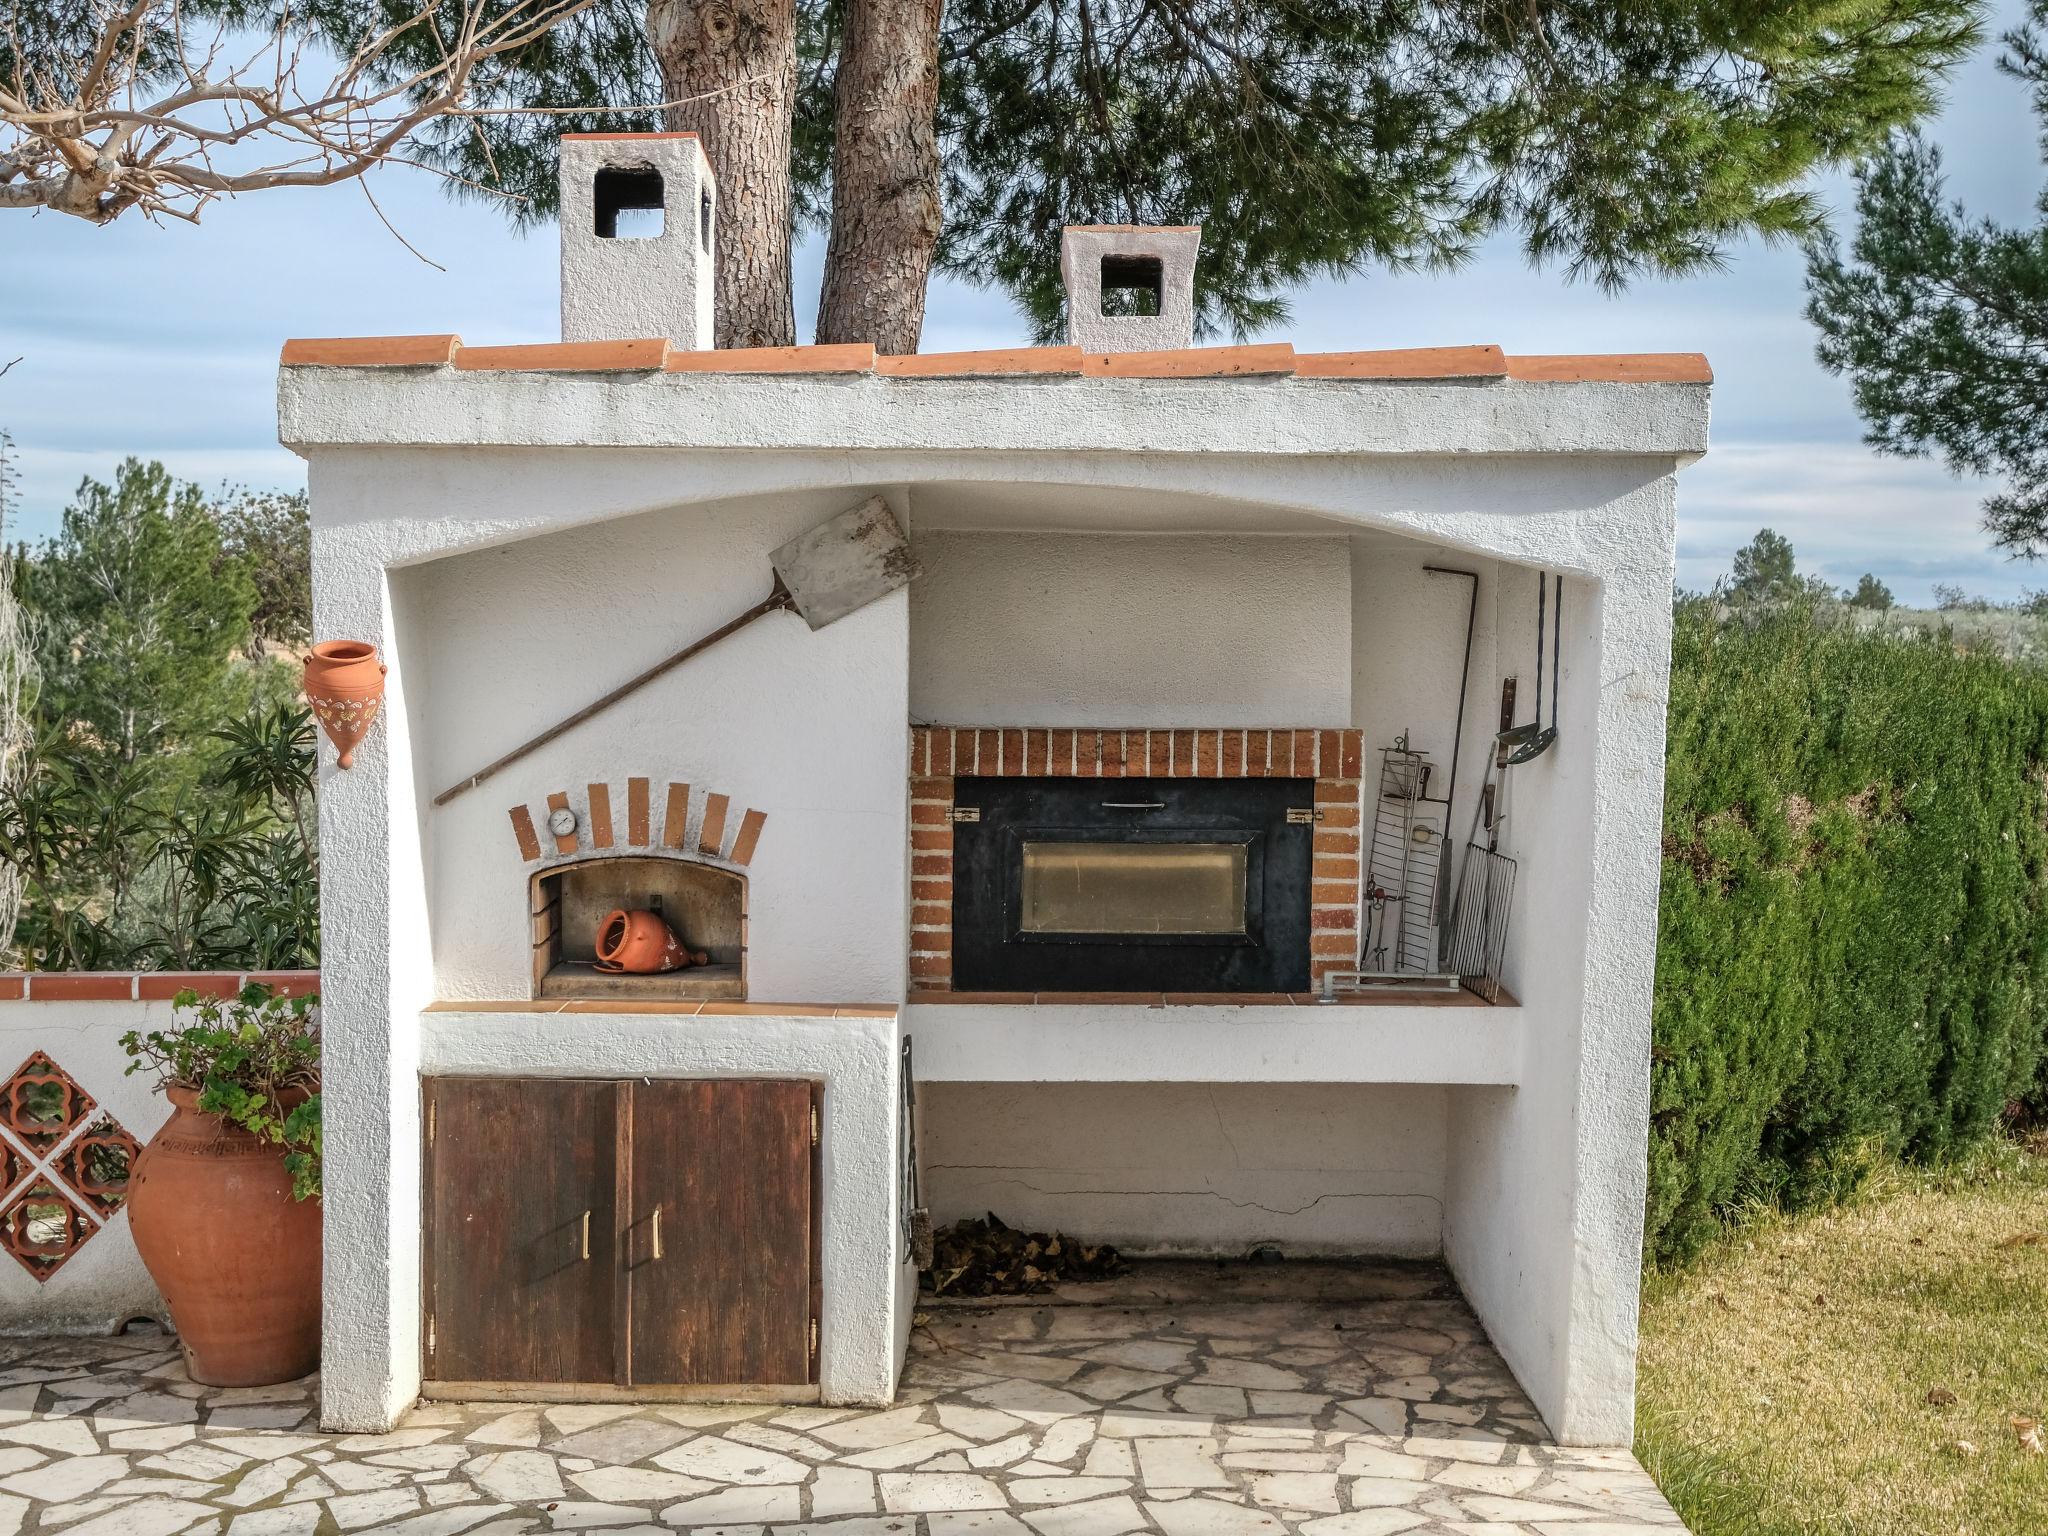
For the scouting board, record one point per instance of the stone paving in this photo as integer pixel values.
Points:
(1180, 1401)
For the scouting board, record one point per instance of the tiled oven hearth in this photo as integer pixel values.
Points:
(1295, 924)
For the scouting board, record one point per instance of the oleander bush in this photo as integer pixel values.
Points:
(1853, 936)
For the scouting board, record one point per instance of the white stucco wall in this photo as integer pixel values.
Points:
(807, 727)
(102, 1285)
(490, 646)
(1131, 629)
(1408, 644)
(1193, 1169)
(377, 975)
(1545, 1185)
(1542, 1184)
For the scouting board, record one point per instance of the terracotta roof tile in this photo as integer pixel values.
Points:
(849, 358)
(557, 356)
(953, 365)
(370, 352)
(1614, 368)
(1406, 363)
(1256, 361)
(1191, 363)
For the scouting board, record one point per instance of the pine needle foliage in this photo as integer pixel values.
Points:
(1940, 320)
(1853, 937)
(1307, 138)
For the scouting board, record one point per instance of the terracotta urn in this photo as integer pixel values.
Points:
(236, 1257)
(344, 683)
(641, 943)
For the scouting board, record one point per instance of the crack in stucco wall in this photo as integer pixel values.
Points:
(1123, 1192)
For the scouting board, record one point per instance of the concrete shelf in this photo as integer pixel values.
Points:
(1379, 1042)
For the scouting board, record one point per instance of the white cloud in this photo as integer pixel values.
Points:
(1846, 511)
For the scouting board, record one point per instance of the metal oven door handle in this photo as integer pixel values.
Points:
(1134, 805)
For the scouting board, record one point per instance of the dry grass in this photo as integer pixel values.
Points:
(1796, 1379)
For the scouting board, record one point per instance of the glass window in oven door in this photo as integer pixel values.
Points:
(1153, 888)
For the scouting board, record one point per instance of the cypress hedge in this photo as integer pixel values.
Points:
(1853, 933)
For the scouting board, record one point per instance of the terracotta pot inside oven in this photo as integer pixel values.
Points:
(642, 944)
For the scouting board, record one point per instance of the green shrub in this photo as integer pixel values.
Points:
(1854, 924)
(254, 1060)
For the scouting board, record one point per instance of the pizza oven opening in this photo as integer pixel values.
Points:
(704, 906)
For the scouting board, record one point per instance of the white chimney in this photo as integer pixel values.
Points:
(1130, 287)
(639, 234)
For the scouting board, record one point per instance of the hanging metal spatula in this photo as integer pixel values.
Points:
(822, 575)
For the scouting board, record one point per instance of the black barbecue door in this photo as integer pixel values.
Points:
(1131, 885)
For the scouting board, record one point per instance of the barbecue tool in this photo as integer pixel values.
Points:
(1479, 919)
(1403, 876)
(1474, 938)
(1443, 887)
(1401, 870)
(1545, 736)
(842, 564)
(918, 1238)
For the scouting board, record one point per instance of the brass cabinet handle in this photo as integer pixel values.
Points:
(657, 1231)
(586, 1237)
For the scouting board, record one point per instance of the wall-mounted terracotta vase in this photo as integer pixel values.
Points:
(236, 1257)
(345, 684)
(641, 943)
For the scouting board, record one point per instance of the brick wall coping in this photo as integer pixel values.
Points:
(142, 986)
(1088, 752)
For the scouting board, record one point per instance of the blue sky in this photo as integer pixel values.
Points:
(163, 341)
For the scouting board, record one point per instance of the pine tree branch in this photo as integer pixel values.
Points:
(91, 138)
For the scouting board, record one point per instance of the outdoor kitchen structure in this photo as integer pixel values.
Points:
(1214, 684)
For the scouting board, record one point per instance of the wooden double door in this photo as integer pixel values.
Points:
(622, 1234)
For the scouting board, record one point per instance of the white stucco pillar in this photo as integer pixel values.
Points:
(376, 976)
(1544, 1202)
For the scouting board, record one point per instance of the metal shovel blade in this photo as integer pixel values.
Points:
(1534, 747)
(845, 563)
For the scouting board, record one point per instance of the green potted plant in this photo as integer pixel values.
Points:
(224, 1202)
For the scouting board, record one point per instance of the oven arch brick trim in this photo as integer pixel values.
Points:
(1333, 757)
(721, 836)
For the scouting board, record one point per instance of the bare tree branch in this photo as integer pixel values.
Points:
(142, 112)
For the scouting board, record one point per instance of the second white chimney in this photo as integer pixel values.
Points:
(639, 238)
(1130, 287)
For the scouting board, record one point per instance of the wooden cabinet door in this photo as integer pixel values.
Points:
(521, 1249)
(726, 1297)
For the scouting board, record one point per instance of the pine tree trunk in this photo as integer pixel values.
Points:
(738, 59)
(885, 175)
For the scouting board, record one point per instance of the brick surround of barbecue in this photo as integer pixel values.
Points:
(939, 753)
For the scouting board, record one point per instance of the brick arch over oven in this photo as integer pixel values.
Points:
(720, 835)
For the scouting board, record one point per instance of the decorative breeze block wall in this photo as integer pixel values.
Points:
(941, 753)
(71, 1125)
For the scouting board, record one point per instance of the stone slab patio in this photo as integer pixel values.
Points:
(1180, 1400)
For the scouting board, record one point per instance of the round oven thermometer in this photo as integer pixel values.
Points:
(562, 821)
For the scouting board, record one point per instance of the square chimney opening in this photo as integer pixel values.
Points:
(704, 905)
(1133, 285)
(629, 203)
